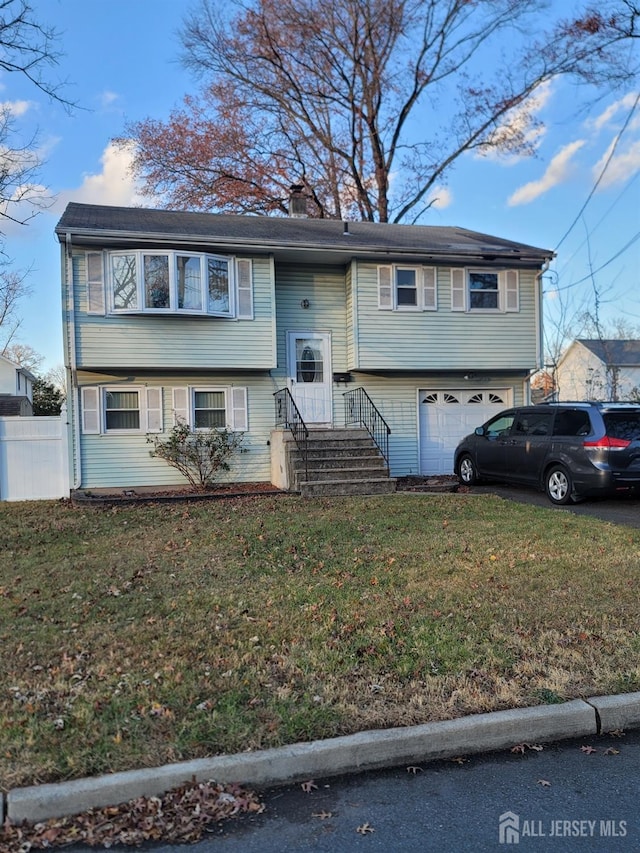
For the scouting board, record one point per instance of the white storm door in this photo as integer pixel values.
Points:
(309, 375)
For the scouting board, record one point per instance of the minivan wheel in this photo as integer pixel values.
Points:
(558, 485)
(467, 471)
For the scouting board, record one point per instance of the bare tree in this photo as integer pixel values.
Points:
(24, 356)
(14, 288)
(57, 376)
(367, 103)
(27, 48)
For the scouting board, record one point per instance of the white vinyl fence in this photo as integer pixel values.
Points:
(34, 458)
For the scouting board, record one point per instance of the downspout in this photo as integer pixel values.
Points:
(539, 323)
(73, 373)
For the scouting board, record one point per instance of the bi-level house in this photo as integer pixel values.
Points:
(283, 326)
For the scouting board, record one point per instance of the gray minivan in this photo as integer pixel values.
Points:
(569, 450)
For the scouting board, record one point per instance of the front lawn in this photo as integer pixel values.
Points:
(137, 635)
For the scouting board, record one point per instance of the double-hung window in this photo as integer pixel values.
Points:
(479, 290)
(407, 288)
(211, 408)
(483, 290)
(120, 410)
(173, 283)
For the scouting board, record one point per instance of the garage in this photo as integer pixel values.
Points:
(447, 416)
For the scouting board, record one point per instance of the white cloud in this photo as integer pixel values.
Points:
(108, 98)
(557, 171)
(114, 185)
(623, 165)
(15, 108)
(521, 125)
(622, 104)
(440, 198)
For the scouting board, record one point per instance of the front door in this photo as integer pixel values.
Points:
(309, 375)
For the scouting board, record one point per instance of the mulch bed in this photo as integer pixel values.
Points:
(145, 495)
(413, 483)
(436, 483)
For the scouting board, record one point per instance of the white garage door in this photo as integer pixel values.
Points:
(447, 416)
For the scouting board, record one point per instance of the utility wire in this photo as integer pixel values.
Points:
(601, 175)
(600, 268)
(602, 218)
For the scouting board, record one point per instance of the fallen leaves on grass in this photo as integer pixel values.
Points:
(180, 816)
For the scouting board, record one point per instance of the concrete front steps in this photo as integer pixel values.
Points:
(340, 462)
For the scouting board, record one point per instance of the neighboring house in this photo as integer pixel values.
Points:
(16, 389)
(595, 369)
(205, 317)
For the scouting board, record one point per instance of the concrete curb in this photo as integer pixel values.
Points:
(617, 712)
(350, 754)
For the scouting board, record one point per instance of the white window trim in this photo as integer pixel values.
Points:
(240, 285)
(235, 399)
(508, 290)
(426, 278)
(94, 408)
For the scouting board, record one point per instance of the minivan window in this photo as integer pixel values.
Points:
(500, 425)
(533, 424)
(625, 425)
(572, 422)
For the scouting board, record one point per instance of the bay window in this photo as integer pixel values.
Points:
(172, 282)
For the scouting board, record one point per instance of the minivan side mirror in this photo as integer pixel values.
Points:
(479, 430)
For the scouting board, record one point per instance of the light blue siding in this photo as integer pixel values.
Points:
(325, 289)
(443, 339)
(123, 461)
(176, 342)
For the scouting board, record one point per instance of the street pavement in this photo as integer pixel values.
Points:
(562, 798)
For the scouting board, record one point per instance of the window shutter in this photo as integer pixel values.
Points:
(90, 410)
(429, 289)
(239, 418)
(458, 289)
(95, 283)
(385, 292)
(244, 277)
(154, 410)
(509, 285)
(181, 405)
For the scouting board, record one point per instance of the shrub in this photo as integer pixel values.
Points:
(199, 455)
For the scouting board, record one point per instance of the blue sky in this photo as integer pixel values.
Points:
(120, 58)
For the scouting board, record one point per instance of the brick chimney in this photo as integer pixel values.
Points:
(297, 202)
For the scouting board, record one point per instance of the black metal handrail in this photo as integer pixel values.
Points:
(289, 417)
(360, 409)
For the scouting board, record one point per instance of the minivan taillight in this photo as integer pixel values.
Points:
(607, 441)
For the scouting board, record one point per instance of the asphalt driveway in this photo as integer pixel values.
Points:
(621, 509)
